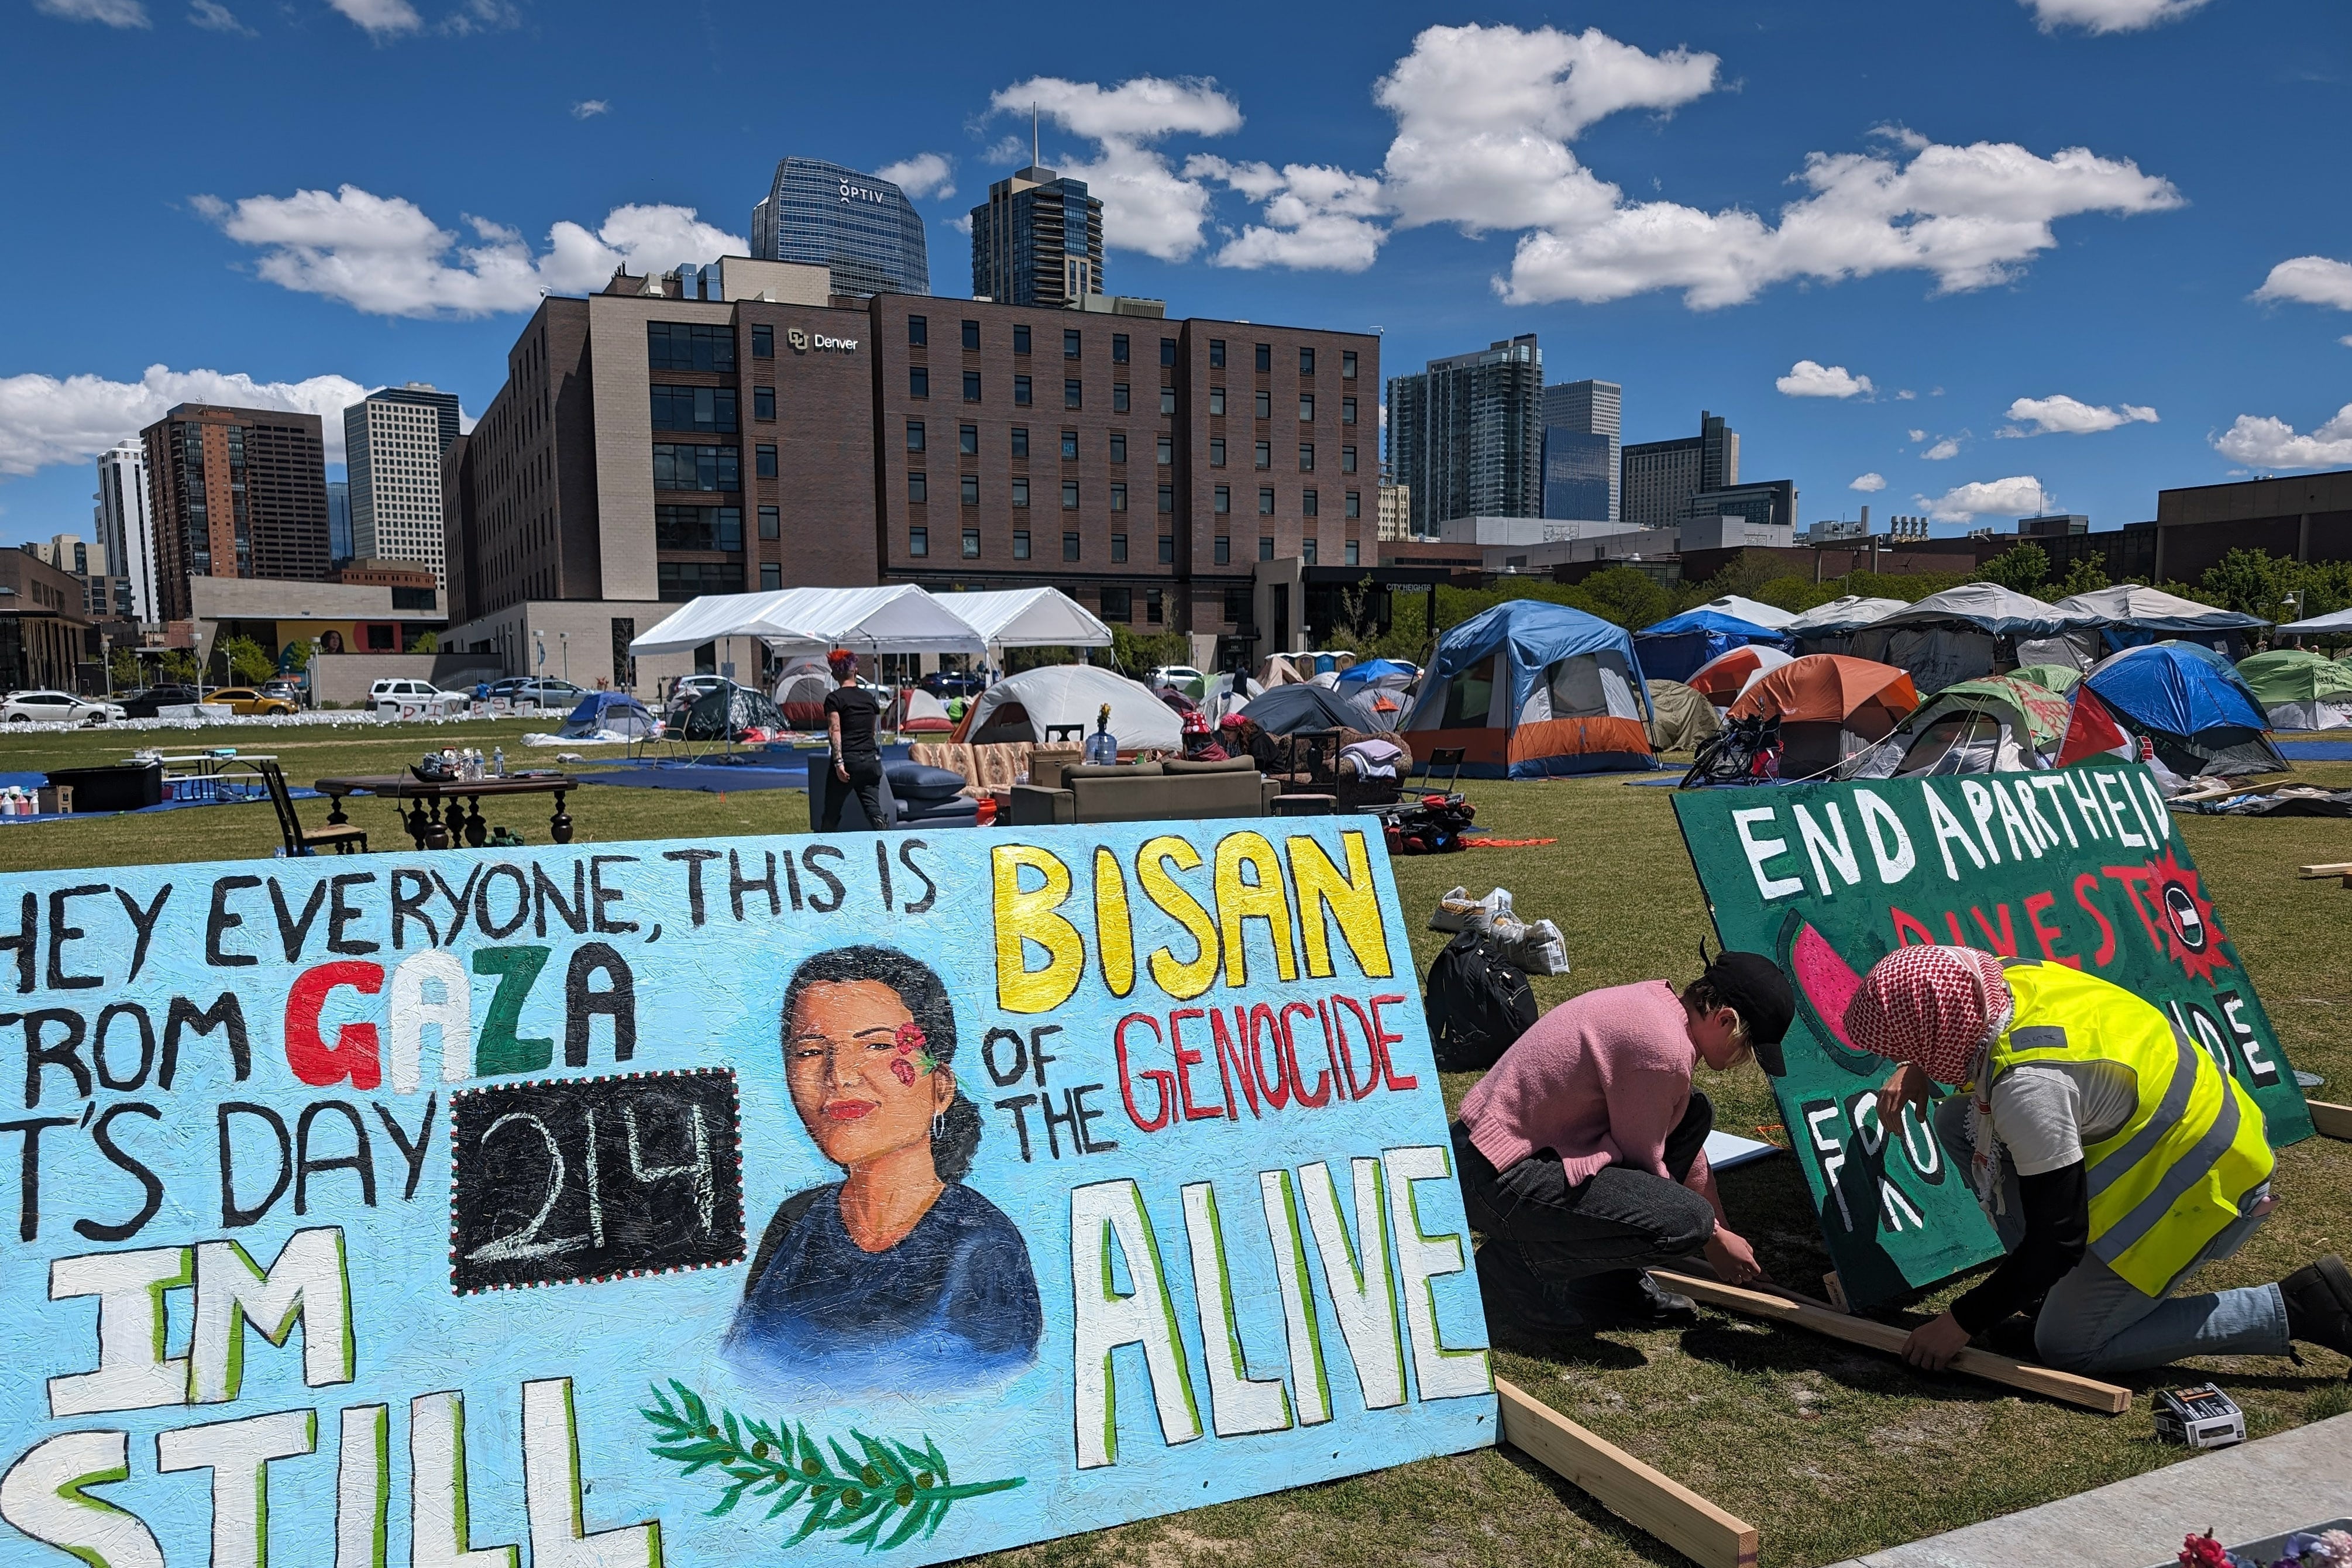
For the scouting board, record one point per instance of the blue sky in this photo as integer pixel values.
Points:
(2096, 244)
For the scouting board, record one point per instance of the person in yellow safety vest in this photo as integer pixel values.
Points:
(2110, 1153)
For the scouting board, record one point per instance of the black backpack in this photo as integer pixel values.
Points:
(1477, 1004)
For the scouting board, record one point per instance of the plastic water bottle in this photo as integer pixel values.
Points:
(498, 761)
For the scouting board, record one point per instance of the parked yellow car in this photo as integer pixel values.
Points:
(245, 699)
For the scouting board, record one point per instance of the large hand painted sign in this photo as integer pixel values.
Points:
(2079, 866)
(911, 1195)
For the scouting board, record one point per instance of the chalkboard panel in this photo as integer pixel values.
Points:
(565, 1180)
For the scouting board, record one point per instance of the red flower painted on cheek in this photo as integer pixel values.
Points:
(906, 1047)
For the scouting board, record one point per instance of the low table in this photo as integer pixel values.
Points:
(458, 802)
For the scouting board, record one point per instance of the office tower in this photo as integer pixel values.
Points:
(126, 527)
(235, 492)
(392, 441)
(1581, 424)
(339, 520)
(1466, 435)
(1661, 476)
(864, 228)
(1759, 501)
(1037, 240)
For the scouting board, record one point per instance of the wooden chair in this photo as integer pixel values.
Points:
(301, 840)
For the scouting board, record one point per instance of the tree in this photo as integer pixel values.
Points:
(2252, 582)
(1632, 598)
(1908, 586)
(247, 664)
(177, 667)
(2021, 568)
(122, 669)
(1797, 595)
(1744, 574)
(1138, 654)
(427, 642)
(2085, 573)
(296, 656)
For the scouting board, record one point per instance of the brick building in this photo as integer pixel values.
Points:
(235, 492)
(47, 637)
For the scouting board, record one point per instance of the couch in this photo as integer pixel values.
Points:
(913, 796)
(995, 765)
(1174, 790)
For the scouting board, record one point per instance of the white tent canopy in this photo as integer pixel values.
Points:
(1753, 612)
(2341, 621)
(897, 618)
(2134, 604)
(1027, 617)
(1843, 615)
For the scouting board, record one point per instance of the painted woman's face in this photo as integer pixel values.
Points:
(857, 1068)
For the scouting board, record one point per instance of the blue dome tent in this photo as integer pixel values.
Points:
(2191, 703)
(614, 713)
(1529, 689)
(1675, 648)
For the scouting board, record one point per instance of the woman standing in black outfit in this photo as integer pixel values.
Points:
(852, 711)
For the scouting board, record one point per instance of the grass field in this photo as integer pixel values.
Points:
(1829, 1452)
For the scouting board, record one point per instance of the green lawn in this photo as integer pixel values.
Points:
(1830, 1451)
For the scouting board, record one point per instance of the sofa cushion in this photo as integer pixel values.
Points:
(913, 781)
(947, 811)
(1220, 765)
(1100, 771)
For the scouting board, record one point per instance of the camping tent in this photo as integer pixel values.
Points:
(2299, 689)
(1998, 723)
(2191, 703)
(1288, 708)
(2058, 678)
(1020, 707)
(1722, 679)
(1831, 707)
(1680, 719)
(801, 687)
(1385, 685)
(921, 713)
(730, 713)
(1830, 629)
(1529, 690)
(1755, 612)
(2336, 626)
(607, 712)
(1963, 633)
(2128, 615)
(1677, 646)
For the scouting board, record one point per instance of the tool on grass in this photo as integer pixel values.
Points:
(2199, 1417)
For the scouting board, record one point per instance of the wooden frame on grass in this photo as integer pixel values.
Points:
(1624, 1485)
(2330, 1120)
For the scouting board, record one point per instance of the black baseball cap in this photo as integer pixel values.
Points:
(1753, 985)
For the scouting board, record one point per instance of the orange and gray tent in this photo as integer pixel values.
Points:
(1722, 677)
(1529, 689)
(1831, 707)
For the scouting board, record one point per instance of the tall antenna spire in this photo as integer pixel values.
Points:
(1034, 159)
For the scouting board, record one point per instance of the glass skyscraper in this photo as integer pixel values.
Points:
(1582, 420)
(822, 215)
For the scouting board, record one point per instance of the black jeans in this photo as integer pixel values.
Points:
(1563, 1254)
(865, 783)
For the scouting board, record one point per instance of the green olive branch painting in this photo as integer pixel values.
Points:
(893, 1484)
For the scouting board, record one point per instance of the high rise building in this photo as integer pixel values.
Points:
(864, 228)
(1582, 420)
(393, 442)
(1037, 240)
(235, 492)
(1466, 435)
(339, 520)
(126, 527)
(1661, 476)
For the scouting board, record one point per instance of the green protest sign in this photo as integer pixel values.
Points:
(2079, 866)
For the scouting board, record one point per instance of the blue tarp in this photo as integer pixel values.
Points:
(2178, 689)
(1372, 669)
(1527, 637)
(1675, 648)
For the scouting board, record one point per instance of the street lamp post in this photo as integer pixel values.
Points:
(566, 639)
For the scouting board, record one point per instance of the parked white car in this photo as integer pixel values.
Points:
(398, 699)
(56, 708)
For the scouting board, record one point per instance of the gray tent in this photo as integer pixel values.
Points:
(1680, 719)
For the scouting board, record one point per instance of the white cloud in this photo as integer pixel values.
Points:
(1917, 435)
(589, 107)
(112, 13)
(45, 421)
(1147, 206)
(1949, 446)
(383, 256)
(2064, 416)
(2107, 15)
(1906, 395)
(2269, 443)
(1485, 114)
(216, 18)
(381, 18)
(2309, 280)
(961, 223)
(2020, 495)
(1868, 484)
(1317, 217)
(481, 17)
(924, 174)
(1808, 378)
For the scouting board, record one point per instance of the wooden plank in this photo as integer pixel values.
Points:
(2332, 868)
(1624, 1485)
(2088, 1393)
(1835, 1290)
(2331, 1121)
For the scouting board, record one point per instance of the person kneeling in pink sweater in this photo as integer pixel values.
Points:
(1582, 1153)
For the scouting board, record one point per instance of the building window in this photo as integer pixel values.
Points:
(1306, 551)
(972, 386)
(1224, 499)
(1167, 550)
(1118, 348)
(1216, 400)
(1346, 459)
(1021, 391)
(1225, 552)
(1305, 408)
(919, 382)
(1118, 498)
(1168, 350)
(1347, 363)
(1264, 405)
(1306, 457)
(1265, 454)
(764, 458)
(1118, 547)
(971, 337)
(1154, 605)
(1216, 452)
(1118, 445)
(771, 523)
(763, 343)
(968, 439)
(680, 467)
(1307, 362)
(1069, 547)
(1069, 445)
(1355, 554)
(918, 330)
(1167, 499)
(1355, 503)
(772, 576)
(1167, 451)
(1073, 393)
(1021, 340)
(1346, 411)
(1217, 354)
(971, 544)
(1310, 504)
(681, 345)
(697, 527)
(1021, 544)
(1021, 440)
(919, 541)
(1266, 501)
(1118, 605)
(1238, 603)
(1167, 400)
(1021, 490)
(972, 489)
(1069, 495)
(680, 580)
(709, 408)
(1119, 397)
(1266, 547)
(918, 487)
(1069, 344)
(763, 402)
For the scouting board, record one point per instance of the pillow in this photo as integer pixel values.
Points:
(1098, 771)
(1219, 765)
(913, 781)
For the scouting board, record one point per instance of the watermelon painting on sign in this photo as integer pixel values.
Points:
(2080, 866)
(846, 1196)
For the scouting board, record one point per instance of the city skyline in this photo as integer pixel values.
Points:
(2162, 307)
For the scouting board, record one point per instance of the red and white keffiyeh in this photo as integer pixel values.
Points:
(1940, 1009)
